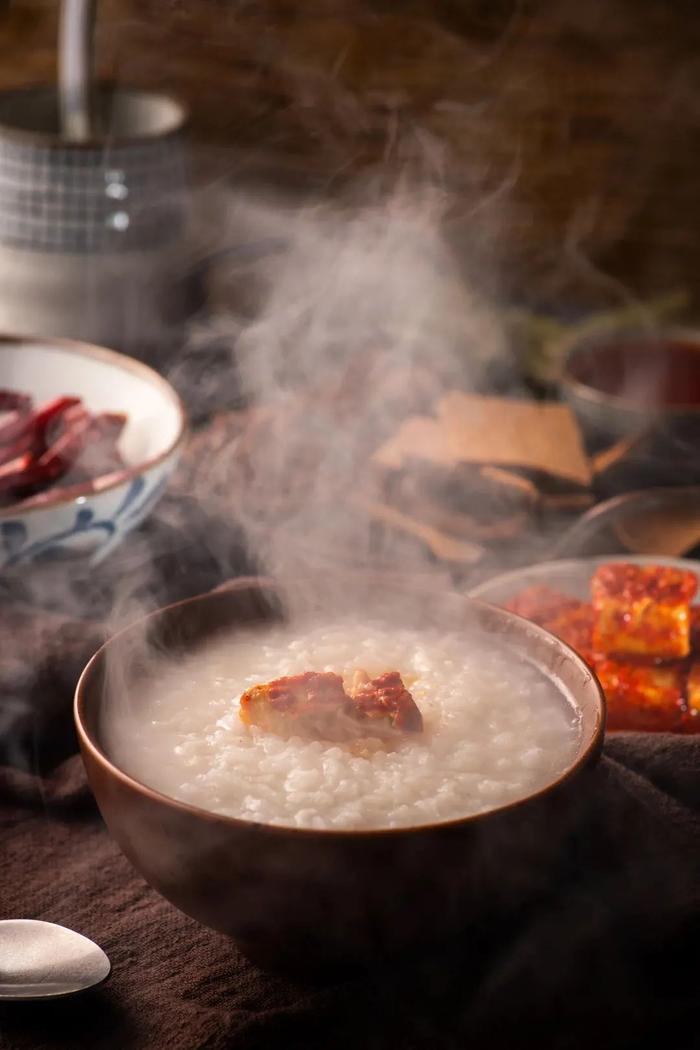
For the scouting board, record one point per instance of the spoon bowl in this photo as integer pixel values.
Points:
(42, 960)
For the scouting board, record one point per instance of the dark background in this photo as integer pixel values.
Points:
(583, 119)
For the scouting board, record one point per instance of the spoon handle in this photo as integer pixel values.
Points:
(76, 30)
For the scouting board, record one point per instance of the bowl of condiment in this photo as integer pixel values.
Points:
(629, 382)
(333, 781)
(88, 440)
(635, 621)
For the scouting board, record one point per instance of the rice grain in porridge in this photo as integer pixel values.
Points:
(496, 728)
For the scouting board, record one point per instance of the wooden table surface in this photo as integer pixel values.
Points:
(569, 131)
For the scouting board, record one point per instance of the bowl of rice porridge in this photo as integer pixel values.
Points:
(336, 786)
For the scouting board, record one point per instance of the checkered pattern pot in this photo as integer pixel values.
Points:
(123, 190)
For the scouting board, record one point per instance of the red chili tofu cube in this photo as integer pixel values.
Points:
(691, 717)
(540, 603)
(642, 610)
(695, 628)
(692, 694)
(642, 696)
(575, 627)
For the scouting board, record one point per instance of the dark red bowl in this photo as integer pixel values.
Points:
(625, 382)
(309, 898)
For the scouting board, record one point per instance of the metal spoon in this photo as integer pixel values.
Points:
(76, 29)
(41, 960)
(662, 520)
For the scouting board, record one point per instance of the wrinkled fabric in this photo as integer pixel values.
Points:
(606, 954)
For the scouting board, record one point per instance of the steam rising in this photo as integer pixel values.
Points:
(362, 320)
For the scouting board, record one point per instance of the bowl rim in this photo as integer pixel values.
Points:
(587, 753)
(56, 141)
(616, 402)
(479, 592)
(85, 489)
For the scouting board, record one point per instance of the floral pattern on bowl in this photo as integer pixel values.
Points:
(90, 524)
(92, 529)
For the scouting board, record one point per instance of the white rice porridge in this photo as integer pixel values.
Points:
(496, 728)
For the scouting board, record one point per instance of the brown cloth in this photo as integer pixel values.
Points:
(606, 953)
(603, 954)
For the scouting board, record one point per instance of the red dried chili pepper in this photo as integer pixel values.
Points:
(10, 401)
(59, 442)
(16, 448)
(65, 450)
(14, 426)
(15, 468)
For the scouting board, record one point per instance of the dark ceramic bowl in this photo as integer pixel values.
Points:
(637, 381)
(310, 899)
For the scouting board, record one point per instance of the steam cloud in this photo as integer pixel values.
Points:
(360, 319)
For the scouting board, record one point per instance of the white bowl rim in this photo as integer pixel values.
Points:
(482, 591)
(129, 364)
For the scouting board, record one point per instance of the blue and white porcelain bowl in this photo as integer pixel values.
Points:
(84, 524)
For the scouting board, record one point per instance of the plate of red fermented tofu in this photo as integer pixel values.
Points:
(635, 622)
